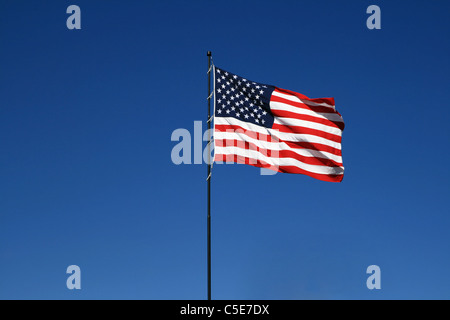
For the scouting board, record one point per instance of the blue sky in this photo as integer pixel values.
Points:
(86, 176)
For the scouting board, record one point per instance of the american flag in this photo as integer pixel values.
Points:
(265, 126)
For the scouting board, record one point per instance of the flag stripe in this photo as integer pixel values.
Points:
(295, 145)
(302, 99)
(274, 133)
(283, 153)
(303, 130)
(318, 109)
(290, 122)
(284, 169)
(227, 138)
(278, 162)
(283, 110)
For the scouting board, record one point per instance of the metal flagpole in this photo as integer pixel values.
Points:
(209, 176)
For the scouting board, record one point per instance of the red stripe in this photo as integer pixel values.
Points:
(319, 109)
(303, 130)
(268, 138)
(327, 122)
(329, 101)
(277, 153)
(314, 146)
(284, 169)
(249, 133)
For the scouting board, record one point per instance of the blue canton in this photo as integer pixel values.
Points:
(243, 99)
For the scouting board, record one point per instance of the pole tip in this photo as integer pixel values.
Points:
(209, 54)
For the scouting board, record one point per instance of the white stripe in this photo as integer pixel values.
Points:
(297, 99)
(274, 105)
(275, 146)
(283, 136)
(243, 124)
(278, 162)
(307, 124)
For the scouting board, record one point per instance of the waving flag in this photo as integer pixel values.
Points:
(265, 126)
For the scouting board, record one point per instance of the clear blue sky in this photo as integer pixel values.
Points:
(86, 177)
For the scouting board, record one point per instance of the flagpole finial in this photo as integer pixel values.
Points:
(209, 54)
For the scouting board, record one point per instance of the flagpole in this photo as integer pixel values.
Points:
(209, 177)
